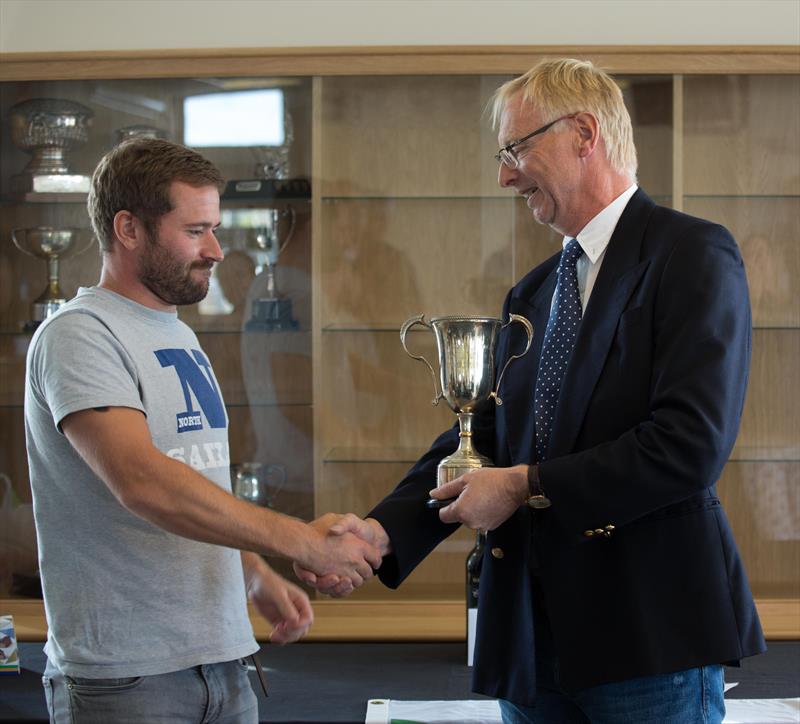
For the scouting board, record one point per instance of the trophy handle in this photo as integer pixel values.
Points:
(529, 330)
(18, 245)
(407, 325)
(292, 222)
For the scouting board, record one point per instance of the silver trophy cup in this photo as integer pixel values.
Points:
(52, 245)
(257, 482)
(467, 347)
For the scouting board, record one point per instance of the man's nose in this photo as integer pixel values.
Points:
(506, 176)
(212, 248)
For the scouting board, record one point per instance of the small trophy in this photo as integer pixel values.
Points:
(47, 128)
(52, 245)
(258, 483)
(138, 130)
(467, 347)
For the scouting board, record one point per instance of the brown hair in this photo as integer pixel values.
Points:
(560, 87)
(136, 176)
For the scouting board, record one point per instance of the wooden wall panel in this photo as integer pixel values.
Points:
(384, 261)
(762, 500)
(408, 136)
(771, 422)
(742, 135)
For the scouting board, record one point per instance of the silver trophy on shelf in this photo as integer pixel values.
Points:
(258, 483)
(138, 130)
(263, 234)
(272, 162)
(467, 348)
(47, 128)
(52, 245)
(273, 311)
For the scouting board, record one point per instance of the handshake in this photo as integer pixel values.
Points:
(344, 552)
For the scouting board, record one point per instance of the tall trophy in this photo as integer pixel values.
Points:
(47, 128)
(263, 234)
(52, 245)
(467, 347)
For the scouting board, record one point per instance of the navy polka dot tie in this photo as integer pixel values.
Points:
(559, 339)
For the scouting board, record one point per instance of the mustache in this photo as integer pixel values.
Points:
(205, 264)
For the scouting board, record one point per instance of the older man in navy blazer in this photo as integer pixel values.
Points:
(612, 589)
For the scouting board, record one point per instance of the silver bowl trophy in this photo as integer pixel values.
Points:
(258, 483)
(52, 245)
(47, 128)
(467, 347)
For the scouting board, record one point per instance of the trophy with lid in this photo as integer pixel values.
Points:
(47, 128)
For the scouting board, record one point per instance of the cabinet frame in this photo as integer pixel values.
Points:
(422, 620)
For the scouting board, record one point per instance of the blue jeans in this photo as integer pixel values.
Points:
(686, 697)
(218, 693)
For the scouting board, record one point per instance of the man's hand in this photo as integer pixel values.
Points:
(334, 524)
(283, 604)
(486, 498)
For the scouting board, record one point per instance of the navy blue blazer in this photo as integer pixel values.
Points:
(648, 414)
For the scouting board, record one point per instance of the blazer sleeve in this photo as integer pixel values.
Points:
(414, 529)
(699, 365)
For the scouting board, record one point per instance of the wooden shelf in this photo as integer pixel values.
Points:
(422, 620)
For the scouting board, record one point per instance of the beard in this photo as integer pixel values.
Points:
(169, 279)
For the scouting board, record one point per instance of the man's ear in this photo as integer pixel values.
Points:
(128, 230)
(588, 133)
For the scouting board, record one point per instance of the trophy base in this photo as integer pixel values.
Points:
(453, 467)
(271, 315)
(53, 183)
(41, 311)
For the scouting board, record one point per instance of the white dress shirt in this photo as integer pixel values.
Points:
(594, 238)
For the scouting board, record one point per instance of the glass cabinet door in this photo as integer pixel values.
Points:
(741, 149)
(257, 131)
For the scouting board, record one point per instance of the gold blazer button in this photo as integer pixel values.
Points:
(497, 553)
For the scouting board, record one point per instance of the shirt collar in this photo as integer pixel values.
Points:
(594, 237)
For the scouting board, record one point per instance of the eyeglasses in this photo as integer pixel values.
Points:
(508, 156)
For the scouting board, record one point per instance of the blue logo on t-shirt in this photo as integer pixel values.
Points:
(195, 375)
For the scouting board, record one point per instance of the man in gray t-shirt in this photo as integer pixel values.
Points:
(147, 559)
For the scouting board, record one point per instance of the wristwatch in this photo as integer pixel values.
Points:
(536, 498)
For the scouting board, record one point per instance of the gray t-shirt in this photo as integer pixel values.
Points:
(122, 596)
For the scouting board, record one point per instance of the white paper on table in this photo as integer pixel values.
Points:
(487, 711)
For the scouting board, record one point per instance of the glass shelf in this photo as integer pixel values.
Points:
(43, 198)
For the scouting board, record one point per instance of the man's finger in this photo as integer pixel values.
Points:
(448, 490)
(449, 514)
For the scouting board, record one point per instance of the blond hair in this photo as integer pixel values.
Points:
(136, 176)
(561, 87)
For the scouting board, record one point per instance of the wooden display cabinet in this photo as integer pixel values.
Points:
(405, 218)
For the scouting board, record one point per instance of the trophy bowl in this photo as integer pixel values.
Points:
(51, 244)
(46, 128)
(467, 347)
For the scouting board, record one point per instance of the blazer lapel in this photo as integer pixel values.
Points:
(619, 275)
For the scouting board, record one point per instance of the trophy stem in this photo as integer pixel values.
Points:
(272, 286)
(465, 448)
(52, 276)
